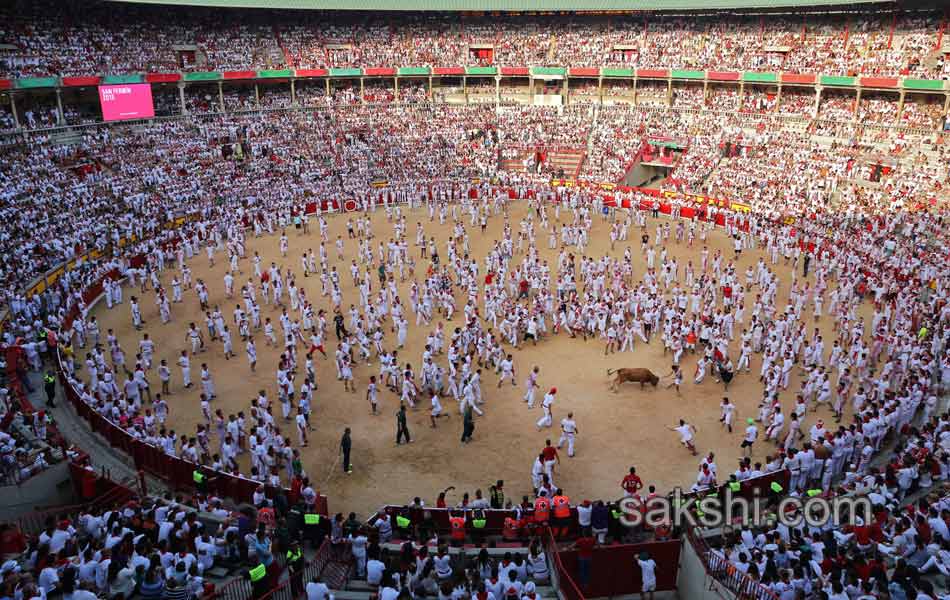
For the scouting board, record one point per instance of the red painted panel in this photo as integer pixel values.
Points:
(584, 72)
(722, 76)
(5, 84)
(803, 78)
(311, 72)
(380, 72)
(239, 74)
(514, 71)
(81, 81)
(162, 77)
(448, 71)
(653, 73)
(879, 82)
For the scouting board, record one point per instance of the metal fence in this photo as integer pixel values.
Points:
(723, 571)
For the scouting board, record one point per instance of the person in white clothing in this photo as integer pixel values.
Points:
(547, 420)
(568, 433)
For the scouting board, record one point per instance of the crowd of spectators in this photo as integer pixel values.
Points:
(80, 37)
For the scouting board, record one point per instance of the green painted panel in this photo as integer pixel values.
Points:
(131, 78)
(275, 74)
(836, 80)
(203, 76)
(923, 84)
(605, 72)
(760, 77)
(681, 74)
(37, 82)
(346, 72)
(413, 71)
(481, 71)
(549, 71)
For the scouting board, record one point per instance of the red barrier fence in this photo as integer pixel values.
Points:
(561, 578)
(174, 471)
(613, 570)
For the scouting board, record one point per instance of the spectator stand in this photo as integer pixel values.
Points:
(97, 490)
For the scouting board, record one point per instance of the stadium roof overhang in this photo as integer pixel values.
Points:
(534, 6)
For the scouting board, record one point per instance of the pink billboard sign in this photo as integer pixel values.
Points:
(126, 101)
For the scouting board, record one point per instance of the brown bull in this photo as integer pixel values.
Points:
(638, 375)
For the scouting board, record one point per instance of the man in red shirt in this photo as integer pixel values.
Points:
(585, 555)
(550, 459)
(631, 484)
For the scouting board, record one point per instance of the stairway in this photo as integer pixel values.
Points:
(515, 164)
(552, 50)
(288, 59)
(570, 160)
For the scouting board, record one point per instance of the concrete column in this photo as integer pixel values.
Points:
(497, 91)
(566, 92)
(327, 81)
(857, 103)
(181, 97)
(293, 92)
(221, 95)
(16, 116)
(396, 89)
(741, 95)
(362, 98)
(900, 107)
(635, 91)
(778, 97)
(705, 91)
(669, 92)
(257, 96)
(814, 113)
(430, 89)
(600, 90)
(59, 107)
(946, 104)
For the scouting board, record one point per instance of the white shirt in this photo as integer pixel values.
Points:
(317, 591)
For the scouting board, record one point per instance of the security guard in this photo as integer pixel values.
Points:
(200, 479)
(311, 526)
(295, 565)
(49, 383)
(404, 524)
(479, 521)
(260, 582)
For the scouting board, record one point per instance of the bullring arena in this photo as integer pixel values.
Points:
(490, 283)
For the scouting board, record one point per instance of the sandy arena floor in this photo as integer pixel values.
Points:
(615, 430)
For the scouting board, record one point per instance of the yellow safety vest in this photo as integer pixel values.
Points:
(258, 573)
(198, 476)
(402, 522)
(776, 487)
(479, 523)
(311, 519)
(735, 486)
